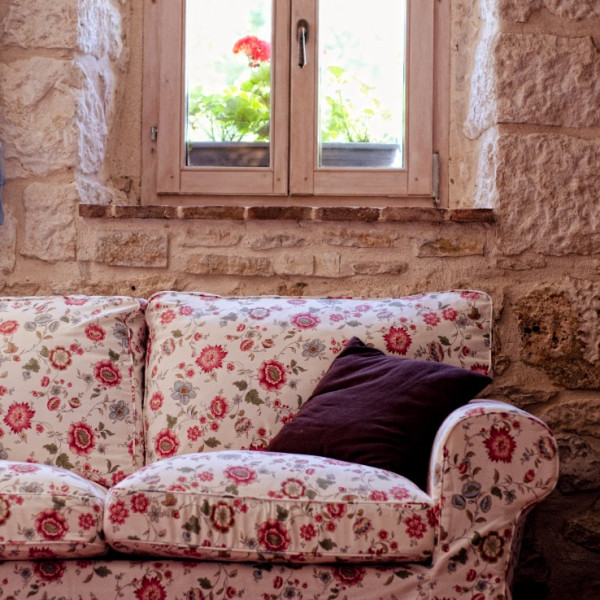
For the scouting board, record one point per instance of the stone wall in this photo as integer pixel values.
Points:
(524, 141)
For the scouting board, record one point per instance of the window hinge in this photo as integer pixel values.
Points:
(435, 179)
(153, 133)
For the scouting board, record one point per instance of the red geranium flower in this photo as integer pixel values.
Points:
(273, 536)
(240, 474)
(60, 358)
(349, 575)
(118, 512)
(415, 528)
(87, 521)
(211, 358)
(107, 374)
(166, 443)
(51, 525)
(336, 510)
(218, 407)
(140, 503)
(150, 589)
(258, 51)
(18, 416)
(305, 320)
(95, 333)
(450, 314)
(8, 327)
(49, 570)
(272, 375)
(500, 445)
(81, 438)
(431, 318)
(397, 340)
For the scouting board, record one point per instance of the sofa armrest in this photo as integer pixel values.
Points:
(490, 463)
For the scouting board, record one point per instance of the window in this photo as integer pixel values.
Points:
(292, 98)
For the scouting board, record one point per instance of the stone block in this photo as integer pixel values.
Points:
(547, 80)
(328, 264)
(268, 241)
(547, 189)
(356, 238)
(99, 29)
(225, 264)
(579, 463)
(128, 248)
(521, 10)
(559, 327)
(40, 24)
(452, 246)
(378, 267)
(50, 233)
(8, 243)
(210, 237)
(584, 529)
(38, 101)
(301, 263)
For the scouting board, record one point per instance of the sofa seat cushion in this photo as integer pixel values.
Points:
(228, 373)
(247, 506)
(71, 383)
(49, 512)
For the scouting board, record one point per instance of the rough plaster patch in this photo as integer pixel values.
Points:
(521, 10)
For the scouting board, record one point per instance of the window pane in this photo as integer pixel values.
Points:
(361, 97)
(228, 82)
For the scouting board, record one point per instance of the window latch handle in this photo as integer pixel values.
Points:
(302, 35)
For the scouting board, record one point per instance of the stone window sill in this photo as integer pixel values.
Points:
(294, 213)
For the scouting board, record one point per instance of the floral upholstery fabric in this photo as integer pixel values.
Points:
(249, 506)
(227, 373)
(71, 383)
(48, 512)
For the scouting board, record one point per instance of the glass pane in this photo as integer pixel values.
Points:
(228, 81)
(362, 83)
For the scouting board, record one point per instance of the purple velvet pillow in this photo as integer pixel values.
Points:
(379, 410)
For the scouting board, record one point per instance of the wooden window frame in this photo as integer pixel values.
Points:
(166, 180)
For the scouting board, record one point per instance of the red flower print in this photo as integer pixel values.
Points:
(140, 503)
(362, 526)
(349, 574)
(219, 407)
(95, 333)
(87, 521)
(400, 493)
(211, 358)
(107, 374)
(60, 358)
(433, 516)
(18, 416)
(166, 443)
(118, 512)
(450, 314)
(150, 589)
(308, 532)
(194, 433)
(50, 570)
(273, 536)
(222, 516)
(8, 327)
(293, 488)
(336, 510)
(305, 320)
(75, 300)
(435, 351)
(378, 496)
(271, 375)
(53, 403)
(500, 445)
(167, 316)
(81, 438)
(258, 51)
(479, 368)
(397, 340)
(156, 401)
(4, 510)
(240, 474)
(3, 390)
(246, 345)
(431, 318)
(415, 528)
(51, 525)
(259, 313)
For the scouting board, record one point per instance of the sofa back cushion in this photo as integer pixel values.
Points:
(71, 374)
(228, 373)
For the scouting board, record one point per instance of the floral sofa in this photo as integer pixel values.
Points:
(143, 449)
